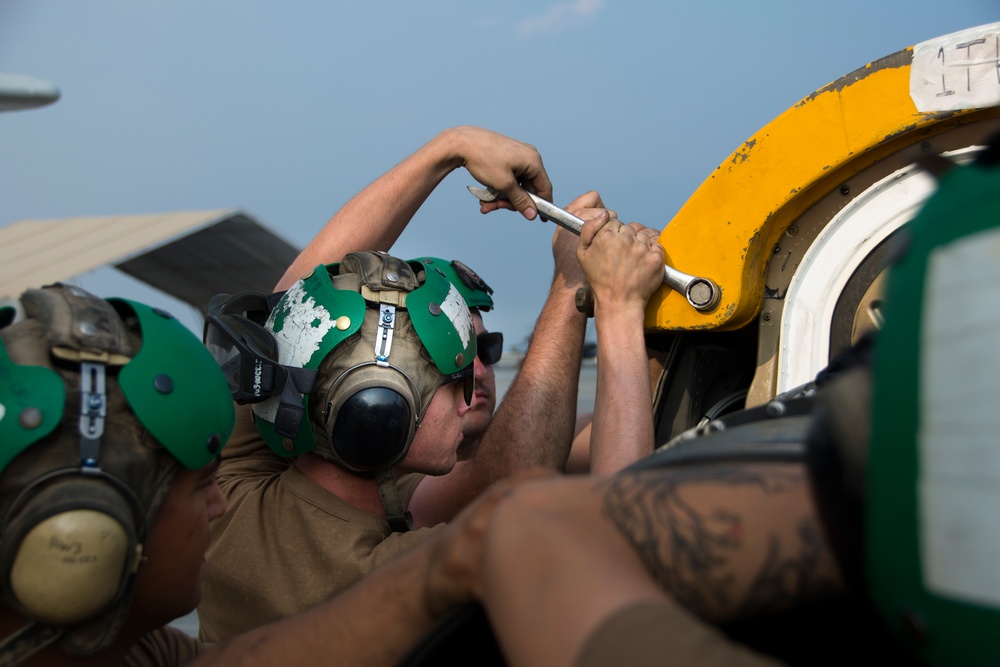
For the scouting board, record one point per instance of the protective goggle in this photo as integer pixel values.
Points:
(489, 347)
(468, 378)
(247, 353)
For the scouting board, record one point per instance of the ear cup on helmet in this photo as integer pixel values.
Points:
(69, 566)
(72, 546)
(372, 428)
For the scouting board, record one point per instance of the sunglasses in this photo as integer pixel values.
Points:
(489, 347)
(468, 378)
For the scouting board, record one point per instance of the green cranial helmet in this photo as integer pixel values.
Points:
(474, 290)
(101, 403)
(383, 341)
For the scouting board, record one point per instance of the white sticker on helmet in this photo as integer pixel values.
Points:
(959, 453)
(303, 326)
(454, 307)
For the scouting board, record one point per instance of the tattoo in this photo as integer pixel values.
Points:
(691, 551)
(782, 582)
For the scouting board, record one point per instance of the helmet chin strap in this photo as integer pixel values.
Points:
(27, 641)
(399, 519)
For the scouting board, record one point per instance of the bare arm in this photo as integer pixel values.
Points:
(624, 266)
(720, 541)
(535, 423)
(375, 217)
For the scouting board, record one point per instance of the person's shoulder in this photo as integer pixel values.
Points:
(164, 647)
(246, 456)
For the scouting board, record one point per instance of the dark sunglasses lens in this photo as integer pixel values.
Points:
(489, 347)
(469, 385)
(467, 376)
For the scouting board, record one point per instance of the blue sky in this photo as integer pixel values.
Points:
(286, 109)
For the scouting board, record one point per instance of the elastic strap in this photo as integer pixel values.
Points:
(399, 519)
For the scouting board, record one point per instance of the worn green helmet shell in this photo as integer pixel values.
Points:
(172, 384)
(31, 405)
(176, 389)
(474, 290)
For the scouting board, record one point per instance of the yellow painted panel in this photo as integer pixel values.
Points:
(727, 229)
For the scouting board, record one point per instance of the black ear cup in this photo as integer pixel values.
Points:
(71, 546)
(372, 429)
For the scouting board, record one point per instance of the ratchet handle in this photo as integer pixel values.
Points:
(701, 293)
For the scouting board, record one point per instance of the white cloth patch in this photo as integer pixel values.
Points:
(959, 450)
(456, 310)
(957, 71)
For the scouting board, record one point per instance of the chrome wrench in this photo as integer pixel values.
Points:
(701, 293)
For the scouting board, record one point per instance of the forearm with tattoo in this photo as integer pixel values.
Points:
(725, 541)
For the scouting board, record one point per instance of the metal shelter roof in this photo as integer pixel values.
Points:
(190, 255)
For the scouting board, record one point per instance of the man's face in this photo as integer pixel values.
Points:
(484, 401)
(435, 446)
(168, 584)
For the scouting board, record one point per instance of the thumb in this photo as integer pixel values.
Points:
(591, 228)
(520, 200)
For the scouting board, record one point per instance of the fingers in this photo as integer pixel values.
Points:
(591, 228)
(587, 200)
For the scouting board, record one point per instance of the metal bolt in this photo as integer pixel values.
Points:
(434, 308)
(288, 445)
(925, 146)
(31, 418)
(766, 317)
(845, 189)
(776, 249)
(775, 409)
(343, 323)
(701, 293)
(460, 359)
(792, 231)
(391, 277)
(86, 329)
(214, 443)
(163, 384)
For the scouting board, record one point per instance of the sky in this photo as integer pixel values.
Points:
(287, 109)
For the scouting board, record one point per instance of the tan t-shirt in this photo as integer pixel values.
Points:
(285, 544)
(166, 647)
(649, 634)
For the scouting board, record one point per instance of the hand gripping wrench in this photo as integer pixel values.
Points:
(701, 293)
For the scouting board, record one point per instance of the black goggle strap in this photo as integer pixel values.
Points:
(93, 410)
(291, 406)
(399, 519)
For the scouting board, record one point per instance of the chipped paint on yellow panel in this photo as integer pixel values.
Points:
(727, 229)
